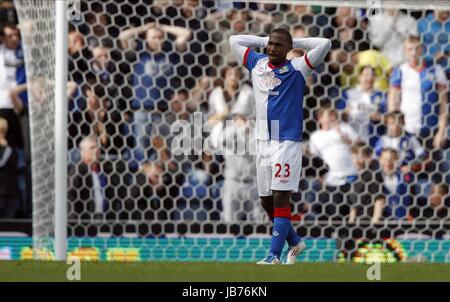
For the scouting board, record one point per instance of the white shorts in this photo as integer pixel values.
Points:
(278, 166)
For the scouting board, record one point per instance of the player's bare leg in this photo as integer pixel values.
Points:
(267, 204)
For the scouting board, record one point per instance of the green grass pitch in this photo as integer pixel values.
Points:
(210, 272)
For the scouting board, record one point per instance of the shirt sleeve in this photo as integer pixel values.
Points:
(378, 146)
(244, 102)
(396, 78)
(347, 130)
(343, 102)
(416, 147)
(312, 146)
(382, 105)
(317, 49)
(217, 101)
(441, 78)
(241, 47)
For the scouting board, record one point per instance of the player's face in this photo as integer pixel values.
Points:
(101, 56)
(436, 196)
(90, 152)
(92, 100)
(154, 39)
(388, 162)
(76, 42)
(358, 160)
(178, 102)
(11, 38)
(443, 15)
(154, 174)
(232, 77)
(278, 48)
(367, 78)
(394, 127)
(413, 51)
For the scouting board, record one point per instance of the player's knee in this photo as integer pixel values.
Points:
(281, 199)
(267, 203)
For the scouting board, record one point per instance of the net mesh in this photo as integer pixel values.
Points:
(38, 34)
(138, 69)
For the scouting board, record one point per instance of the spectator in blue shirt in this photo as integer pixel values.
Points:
(153, 79)
(364, 105)
(397, 186)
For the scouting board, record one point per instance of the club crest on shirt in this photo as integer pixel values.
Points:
(284, 69)
(269, 81)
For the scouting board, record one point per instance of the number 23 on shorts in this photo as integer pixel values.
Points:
(282, 170)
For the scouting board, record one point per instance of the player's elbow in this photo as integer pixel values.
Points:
(327, 45)
(232, 40)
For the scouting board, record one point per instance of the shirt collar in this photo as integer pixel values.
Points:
(272, 66)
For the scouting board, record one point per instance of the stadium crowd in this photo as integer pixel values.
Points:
(376, 113)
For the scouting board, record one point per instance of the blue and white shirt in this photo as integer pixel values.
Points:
(399, 191)
(12, 74)
(279, 90)
(419, 96)
(407, 146)
(361, 105)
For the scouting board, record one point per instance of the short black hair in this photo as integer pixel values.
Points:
(283, 32)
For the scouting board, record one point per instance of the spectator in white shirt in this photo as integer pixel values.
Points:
(12, 73)
(332, 144)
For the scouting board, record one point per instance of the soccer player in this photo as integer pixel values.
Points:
(278, 86)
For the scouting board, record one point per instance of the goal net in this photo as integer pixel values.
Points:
(38, 36)
(155, 91)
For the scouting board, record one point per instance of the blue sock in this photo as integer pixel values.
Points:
(292, 237)
(279, 234)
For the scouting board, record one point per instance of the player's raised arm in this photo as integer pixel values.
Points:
(317, 49)
(241, 43)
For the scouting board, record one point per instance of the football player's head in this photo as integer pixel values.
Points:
(89, 150)
(442, 15)
(367, 77)
(439, 192)
(361, 155)
(328, 118)
(395, 121)
(280, 43)
(154, 39)
(389, 161)
(10, 36)
(413, 50)
(231, 75)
